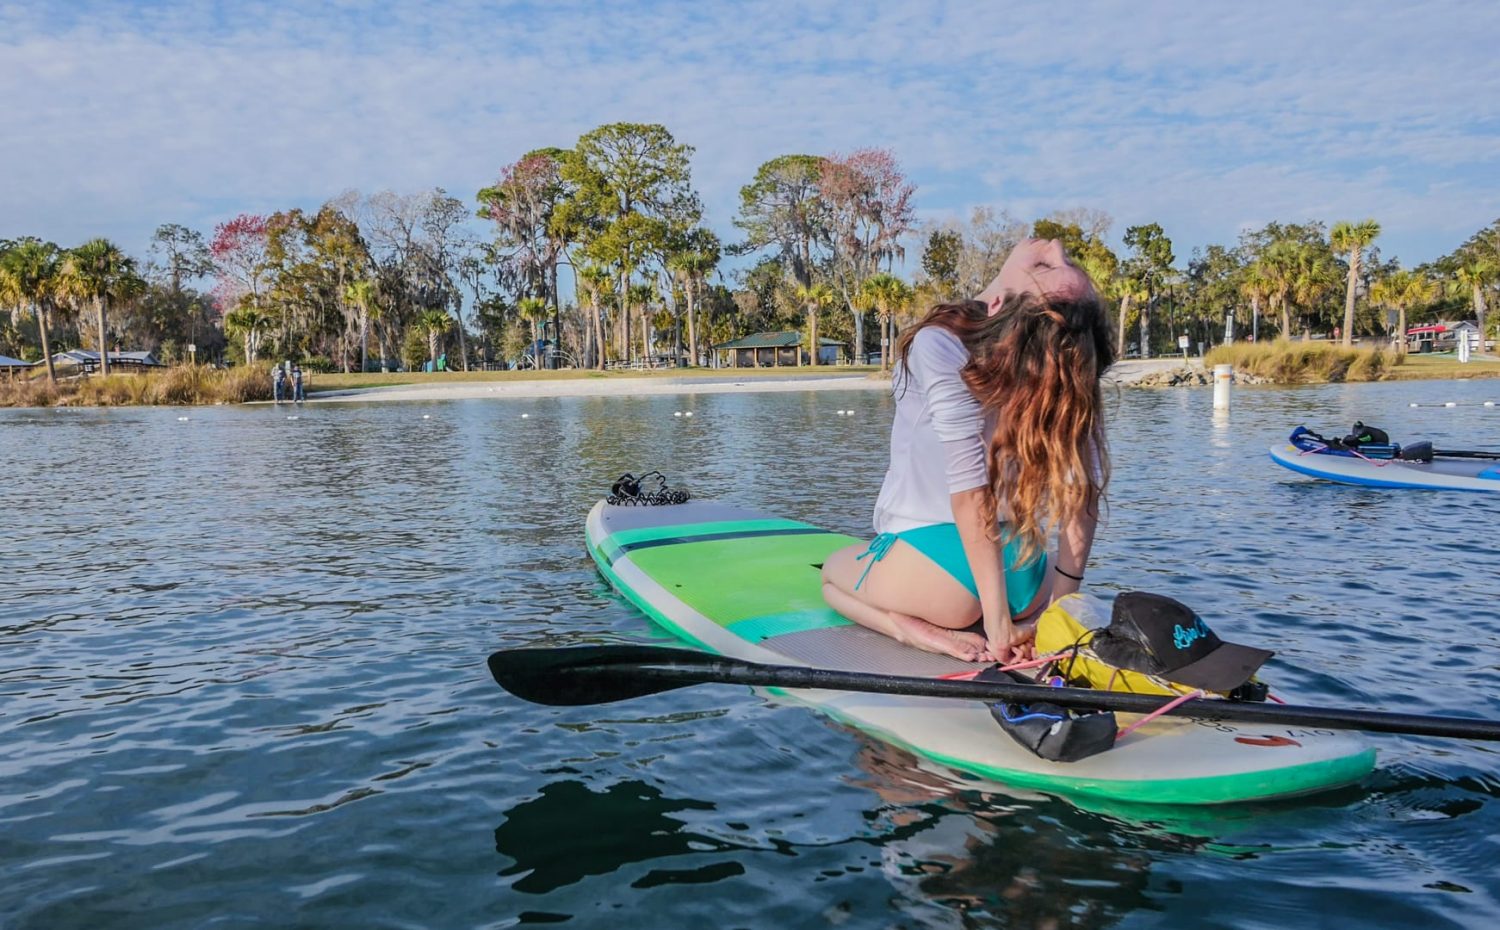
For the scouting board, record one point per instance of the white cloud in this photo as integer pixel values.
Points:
(1198, 116)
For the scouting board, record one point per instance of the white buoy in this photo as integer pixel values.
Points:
(525, 415)
(1450, 404)
(182, 419)
(426, 416)
(688, 414)
(291, 418)
(677, 413)
(1416, 405)
(1223, 378)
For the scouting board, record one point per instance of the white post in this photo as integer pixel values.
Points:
(1223, 377)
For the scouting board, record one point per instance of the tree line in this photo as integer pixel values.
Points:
(598, 254)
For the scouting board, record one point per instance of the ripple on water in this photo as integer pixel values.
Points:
(242, 679)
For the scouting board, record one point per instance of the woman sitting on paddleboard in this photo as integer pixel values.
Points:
(998, 439)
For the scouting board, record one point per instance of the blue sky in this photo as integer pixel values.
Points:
(1206, 117)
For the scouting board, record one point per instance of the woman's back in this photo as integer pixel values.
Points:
(937, 439)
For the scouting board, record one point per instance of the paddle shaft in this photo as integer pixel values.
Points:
(1460, 454)
(601, 674)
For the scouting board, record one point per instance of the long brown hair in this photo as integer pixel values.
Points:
(1036, 363)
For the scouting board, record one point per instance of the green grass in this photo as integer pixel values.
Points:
(1425, 367)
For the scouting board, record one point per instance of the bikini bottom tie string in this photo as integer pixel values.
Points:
(878, 547)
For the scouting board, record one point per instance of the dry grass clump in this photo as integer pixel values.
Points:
(1288, 362)
(186, 384)
(182, 385)
(26, 392)
(243, 383)
(113, 391)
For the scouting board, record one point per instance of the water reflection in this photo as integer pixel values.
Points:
(569, 832)
(954, 857)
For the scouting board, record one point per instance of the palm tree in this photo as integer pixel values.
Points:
(1126, 289)
(1279, 265)
(1256, 286)
(1403, 290)
(642, 296)
(1313, 280)
(1474, 275)
(28, 277)
(595, 281)
(99, 272)
(813, 298)
(1352, 239)
(361, 294)
(252, 323)
(693, 265)
(887, 294)
(435, 323)
(534, 311)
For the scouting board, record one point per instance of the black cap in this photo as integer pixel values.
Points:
(1155, 634)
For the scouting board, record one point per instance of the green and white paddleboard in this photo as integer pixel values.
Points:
(744, 584)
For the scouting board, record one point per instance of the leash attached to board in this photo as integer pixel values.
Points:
(631, 491)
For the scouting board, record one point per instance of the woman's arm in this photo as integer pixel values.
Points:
(984, 555)
(1074, 540)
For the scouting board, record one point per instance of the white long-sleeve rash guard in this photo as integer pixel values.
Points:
(938, 439)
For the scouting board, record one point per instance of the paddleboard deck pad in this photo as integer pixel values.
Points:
(1437, 475)
(746, 584)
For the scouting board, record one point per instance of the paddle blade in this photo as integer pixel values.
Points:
(594, 674)
(1417, 452)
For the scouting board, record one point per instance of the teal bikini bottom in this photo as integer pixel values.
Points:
(940, 543)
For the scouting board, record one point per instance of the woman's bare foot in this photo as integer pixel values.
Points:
(918, 633)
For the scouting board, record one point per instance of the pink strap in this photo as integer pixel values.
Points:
(1158, 712)
(1030, 663)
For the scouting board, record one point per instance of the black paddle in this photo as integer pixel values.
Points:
(601, 674)
(1424, 452)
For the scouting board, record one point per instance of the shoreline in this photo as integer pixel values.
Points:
(1127, 372)
(596, 388)
(1144, 373)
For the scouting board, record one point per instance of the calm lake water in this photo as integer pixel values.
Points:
(242, 678)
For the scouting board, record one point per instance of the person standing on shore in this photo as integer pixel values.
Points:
(278, 383)
(297, 393)
(998, 442)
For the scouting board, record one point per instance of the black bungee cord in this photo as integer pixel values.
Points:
(628, 491)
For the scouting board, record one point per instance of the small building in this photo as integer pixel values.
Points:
(769, 350)
(1465, 331)
(86, 361)
(14, 367)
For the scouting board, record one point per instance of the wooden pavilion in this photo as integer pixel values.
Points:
(14, 367)
(773, 350)
(86, 361)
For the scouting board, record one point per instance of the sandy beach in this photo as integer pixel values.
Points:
(1124, 373)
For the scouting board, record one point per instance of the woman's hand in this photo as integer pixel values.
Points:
(1013, 642)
